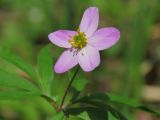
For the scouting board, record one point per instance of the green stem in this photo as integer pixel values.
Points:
(68, 88)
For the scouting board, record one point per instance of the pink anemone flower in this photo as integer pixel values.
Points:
(83, 46)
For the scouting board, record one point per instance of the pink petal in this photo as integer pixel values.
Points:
(89, 22)
(104, 38)
(61, 37)
(66, 61)
(88, 58)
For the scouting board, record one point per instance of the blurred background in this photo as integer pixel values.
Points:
(131, 68)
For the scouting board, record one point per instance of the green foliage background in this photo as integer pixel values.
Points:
(126, 69)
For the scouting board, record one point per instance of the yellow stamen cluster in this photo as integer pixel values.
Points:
(79, 40)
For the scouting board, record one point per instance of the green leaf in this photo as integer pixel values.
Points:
(97, 114)
(95, 96)
(15, 81)
(14, 95)
(99, 96)
(116, 113)
(76, 110)
(104, 107)
(110, 98)
(19, 62)
(107, 107)
(122, 100)
(111, 117)
(76, 118)
(84, 116)
(45, 67)
(59, 116)
(131, 103)
(93, 112)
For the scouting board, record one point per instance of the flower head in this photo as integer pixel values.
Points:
(83, 46)
(79, 40)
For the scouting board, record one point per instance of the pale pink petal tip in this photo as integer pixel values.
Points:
(88, 58)
(90, 20)
(61, 37)
(104, 38)
(66, 61)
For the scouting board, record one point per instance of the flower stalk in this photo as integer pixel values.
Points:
(68, 88)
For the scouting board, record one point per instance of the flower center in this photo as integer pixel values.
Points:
(79, 40)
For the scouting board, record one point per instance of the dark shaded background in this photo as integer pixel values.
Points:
(130, 68)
